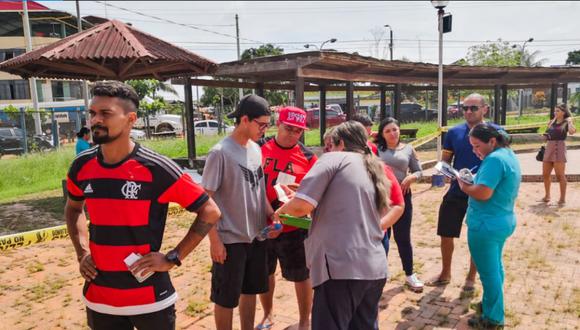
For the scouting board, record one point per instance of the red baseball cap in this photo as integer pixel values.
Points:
(293, 116)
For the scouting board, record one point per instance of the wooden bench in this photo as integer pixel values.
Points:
(523, 130)
(410, 132)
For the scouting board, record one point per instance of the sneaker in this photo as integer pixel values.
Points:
(414, 283)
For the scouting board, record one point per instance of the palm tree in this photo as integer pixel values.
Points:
(531, 60)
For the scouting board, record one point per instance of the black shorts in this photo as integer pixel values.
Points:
(243, 272)
(161, 320)
(289, 249)
(451, 214)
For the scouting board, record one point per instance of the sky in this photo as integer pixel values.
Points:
(208, 28)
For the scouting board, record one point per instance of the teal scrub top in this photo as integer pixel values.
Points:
(500, 171)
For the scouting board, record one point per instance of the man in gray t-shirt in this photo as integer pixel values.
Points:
(233, 176)
(234, 173)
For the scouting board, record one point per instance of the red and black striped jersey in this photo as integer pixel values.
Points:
(127, 204)
(295, 161)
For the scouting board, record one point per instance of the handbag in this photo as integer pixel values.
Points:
(540, 155)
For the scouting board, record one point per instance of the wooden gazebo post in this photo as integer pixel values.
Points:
(322, 113)
(190, 132)
(349, 100)
(383, 102)
(553, 99)
(496, 103)
(504, 97)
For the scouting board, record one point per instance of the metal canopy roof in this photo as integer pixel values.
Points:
(327, 67)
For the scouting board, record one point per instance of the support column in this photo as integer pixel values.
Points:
(504, 99)
(397, 102)
(496, 103)
(565, 93)
(349, 100)
(553, 99)
(190, 133)
(444, 107)
(322, 113)
(383, 102)
(260, 89)
(299, 97)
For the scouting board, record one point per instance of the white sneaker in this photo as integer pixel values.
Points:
(414, 283)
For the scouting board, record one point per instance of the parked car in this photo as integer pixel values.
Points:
(210, 127)
(453, 111)
(413, 112)
(137, 134)
(332, 117)
(12, 141)
(162, 124)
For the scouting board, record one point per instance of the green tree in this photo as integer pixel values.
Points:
(263, 50)
(499, 53)
(212, 95)
(150, 87)
(573, 57)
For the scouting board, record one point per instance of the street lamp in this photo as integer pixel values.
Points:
(520, 92)
(308, 46)
(391, 43)
(333, 40)
(440, 5)
(522, 50)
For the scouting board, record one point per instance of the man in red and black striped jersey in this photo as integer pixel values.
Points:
(285, 160)
(127, 189)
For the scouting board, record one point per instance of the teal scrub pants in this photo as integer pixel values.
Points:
(486, 248)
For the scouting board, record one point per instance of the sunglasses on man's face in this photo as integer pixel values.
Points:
(472, 108)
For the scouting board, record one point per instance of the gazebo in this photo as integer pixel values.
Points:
(336, 71)
(115, 51)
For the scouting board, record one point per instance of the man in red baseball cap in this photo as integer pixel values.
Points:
(286, 161)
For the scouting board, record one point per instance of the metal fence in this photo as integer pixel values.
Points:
(27, 131)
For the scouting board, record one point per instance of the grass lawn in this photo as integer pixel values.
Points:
(40, 172)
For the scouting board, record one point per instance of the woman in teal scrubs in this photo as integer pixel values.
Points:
(490, 217)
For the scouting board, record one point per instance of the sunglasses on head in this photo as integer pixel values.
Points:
(472, 108)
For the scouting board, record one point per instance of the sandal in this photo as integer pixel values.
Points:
(266, 324)
(469, 286)
(437, 282)
(481, 323)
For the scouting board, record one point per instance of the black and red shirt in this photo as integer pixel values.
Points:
(127, 204)
(295, 161)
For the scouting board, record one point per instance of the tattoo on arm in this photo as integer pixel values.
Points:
(201, 227)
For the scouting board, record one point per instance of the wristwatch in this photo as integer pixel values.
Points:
(173, 257)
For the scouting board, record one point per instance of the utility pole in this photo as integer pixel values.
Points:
(85, 86)
(420, 57)
(241, 90)
(391, 40)
(32, 81)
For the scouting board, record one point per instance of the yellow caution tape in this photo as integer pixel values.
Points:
(421, 141)
(32, 237)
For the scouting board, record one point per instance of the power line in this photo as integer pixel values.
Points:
(174, 22)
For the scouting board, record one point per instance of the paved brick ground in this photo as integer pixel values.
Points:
(40, 287)
(541, 262)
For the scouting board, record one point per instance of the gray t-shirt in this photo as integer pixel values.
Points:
(401, 161)
(235, 175)
(344, 241)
